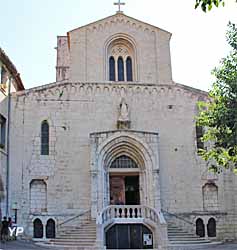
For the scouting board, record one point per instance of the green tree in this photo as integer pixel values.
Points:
(219, 116)
(208, 4)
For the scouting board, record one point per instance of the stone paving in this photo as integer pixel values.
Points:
(226, 246)
(22, 245)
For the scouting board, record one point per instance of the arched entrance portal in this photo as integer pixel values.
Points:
(124, 169)
(124, 181)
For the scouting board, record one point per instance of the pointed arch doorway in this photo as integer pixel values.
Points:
(124, 184)
(129, 161)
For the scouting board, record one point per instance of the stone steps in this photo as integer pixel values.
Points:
(178, 236)
(76, 237)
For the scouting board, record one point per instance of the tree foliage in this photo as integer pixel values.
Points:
(219, 116)
(208, 4)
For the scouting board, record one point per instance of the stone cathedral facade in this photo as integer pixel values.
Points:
(110, 148)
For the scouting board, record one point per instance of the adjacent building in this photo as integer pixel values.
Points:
(10, 81)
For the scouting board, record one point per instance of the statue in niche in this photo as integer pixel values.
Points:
(123, 119)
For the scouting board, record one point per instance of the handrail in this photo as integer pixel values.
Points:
(178, 217)
(74, 217)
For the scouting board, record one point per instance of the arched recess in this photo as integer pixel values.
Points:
(50, 229)
(38, 229)
(124, 46)
(38, 196)
(211, 227)
(125, 143)
(200, 228)
(210, 197)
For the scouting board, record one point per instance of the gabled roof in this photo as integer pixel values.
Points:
(119, 13)
(12, 69)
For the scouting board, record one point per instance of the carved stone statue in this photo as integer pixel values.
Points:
(123, 119)
(124, 112)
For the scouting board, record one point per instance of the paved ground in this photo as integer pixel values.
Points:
(20, 245)
(226, 246)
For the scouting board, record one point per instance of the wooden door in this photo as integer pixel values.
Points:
(128, 236)
(117, 190)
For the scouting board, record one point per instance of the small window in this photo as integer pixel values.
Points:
(44, 138)
(199, 135)
(120, 69)
(129, 69)
(3, 75)
(3, 132)
(111, 69)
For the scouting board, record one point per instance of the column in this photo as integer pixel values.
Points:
(156, 189)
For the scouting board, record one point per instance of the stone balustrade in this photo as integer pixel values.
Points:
(130, 212)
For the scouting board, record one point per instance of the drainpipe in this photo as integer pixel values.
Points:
(8, 146)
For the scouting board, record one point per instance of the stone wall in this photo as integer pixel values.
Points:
(89, 50)
(63, 59)
(74, 111)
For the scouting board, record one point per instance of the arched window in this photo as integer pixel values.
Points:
(38, 229)
(120, 69)
(44, 138)
(129, 69)
(211, 228)
(123, 162)
(121, 60)
(200, 228)
(50, 229)
(111, 69)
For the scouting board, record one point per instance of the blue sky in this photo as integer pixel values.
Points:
(29, 29)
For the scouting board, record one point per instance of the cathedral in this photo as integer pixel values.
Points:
(106, 157)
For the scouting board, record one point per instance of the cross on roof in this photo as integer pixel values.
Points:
(119, 5)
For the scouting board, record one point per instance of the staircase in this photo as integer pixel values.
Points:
(178, 236)
(79, 238)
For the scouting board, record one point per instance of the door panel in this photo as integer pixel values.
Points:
(117, 190)
(135, 236)
(123, 236)
(128, 236)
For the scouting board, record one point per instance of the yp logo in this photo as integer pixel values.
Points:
(16, 231)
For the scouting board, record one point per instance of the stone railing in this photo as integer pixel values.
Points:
(128, 214)
(180, 221)
(74, 220)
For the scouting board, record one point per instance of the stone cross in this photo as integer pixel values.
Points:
(119, 5)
